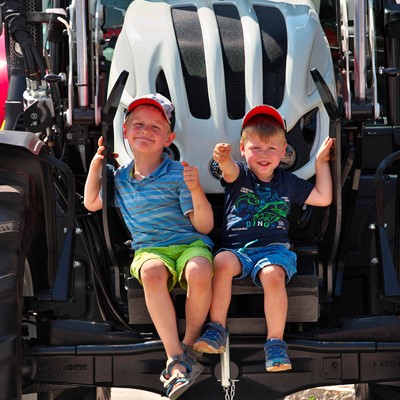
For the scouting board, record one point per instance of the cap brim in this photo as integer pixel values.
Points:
(146, 101)
(264, 110)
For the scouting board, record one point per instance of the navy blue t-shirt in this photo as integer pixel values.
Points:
(256, 210)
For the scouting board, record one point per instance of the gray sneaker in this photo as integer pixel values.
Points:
(191, 353)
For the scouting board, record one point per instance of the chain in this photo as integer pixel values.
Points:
(233, 387)
(230, 391)
(227, 395)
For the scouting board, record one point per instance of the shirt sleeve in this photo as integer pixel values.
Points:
(301, 189)
(241, 166)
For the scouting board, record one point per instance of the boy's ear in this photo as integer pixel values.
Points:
(170, 138)
(284, 150)
(124, 129)
(241, 146)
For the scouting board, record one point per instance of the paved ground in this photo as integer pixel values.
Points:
(131, 394)
(344, 392)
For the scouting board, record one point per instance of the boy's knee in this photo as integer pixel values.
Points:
(153, 272)
(198, 270)
(225, 263)
(223, 258)
(272, 275)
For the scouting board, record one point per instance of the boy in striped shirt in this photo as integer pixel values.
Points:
(168, 215)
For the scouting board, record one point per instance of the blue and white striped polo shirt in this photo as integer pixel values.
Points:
(154, 209)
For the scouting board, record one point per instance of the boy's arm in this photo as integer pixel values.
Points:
(222, 155)
(321, 195)
(92, 199)
(202, 217)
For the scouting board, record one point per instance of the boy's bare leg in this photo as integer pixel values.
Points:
(226, 266)
(198, 275)
(154, 276)
(272, 278)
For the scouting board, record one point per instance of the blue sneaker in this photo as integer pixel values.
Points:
(276, 357)
(212, 340)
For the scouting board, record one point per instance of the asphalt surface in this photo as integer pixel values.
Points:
(343, 392)
(133, 394)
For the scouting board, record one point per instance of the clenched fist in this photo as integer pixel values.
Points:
(222, 152)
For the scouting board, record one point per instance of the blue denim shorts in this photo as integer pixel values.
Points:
(256, 258)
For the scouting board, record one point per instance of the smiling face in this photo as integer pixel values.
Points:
(147, 131)
(263, 145)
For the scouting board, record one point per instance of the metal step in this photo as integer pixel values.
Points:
(302, 292)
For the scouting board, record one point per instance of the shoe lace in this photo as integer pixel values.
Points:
(214, 335)
(276, 350)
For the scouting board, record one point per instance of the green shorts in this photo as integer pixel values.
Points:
(174, 257)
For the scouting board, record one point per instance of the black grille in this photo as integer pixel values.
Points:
(273, 36)
(232, 43)
(274, 49)
(190, 43)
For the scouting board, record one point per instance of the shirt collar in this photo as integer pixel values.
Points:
(161, 170)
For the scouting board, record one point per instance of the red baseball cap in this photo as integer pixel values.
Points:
(263, 109)
(157, 100)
